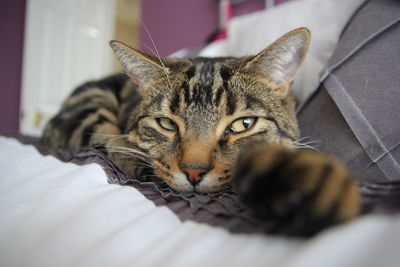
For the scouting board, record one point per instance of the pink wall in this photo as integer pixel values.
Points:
(176, 24)
(12, 17)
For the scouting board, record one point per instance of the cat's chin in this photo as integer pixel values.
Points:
(197, 189)
(210, 189)
(181, 184)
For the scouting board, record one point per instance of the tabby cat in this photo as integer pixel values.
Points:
(202, 124)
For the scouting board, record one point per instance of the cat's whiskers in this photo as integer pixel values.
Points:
(302, 138)
(297, 145)
(308, 143)
(241, 64)
(165, 69)
(139, 81)
(107, 140)
(126, 152)
(115, 149)
(144, 165)
(302, 143)
(128, 149)
(115, 136)
(148, 47)
(144, 160)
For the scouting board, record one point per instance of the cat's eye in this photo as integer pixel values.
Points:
(167, 124)
(242, 124)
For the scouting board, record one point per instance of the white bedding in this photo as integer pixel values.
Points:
(61, 214)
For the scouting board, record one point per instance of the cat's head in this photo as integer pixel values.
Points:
(196, 115)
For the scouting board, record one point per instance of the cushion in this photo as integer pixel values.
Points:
(355, 112)
(249, 34)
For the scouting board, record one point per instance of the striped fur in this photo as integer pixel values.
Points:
(173, 120)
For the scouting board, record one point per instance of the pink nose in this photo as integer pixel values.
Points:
(194, 176)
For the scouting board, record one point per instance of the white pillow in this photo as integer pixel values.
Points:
(250, 34)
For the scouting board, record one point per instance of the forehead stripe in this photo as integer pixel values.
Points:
(226, 74)
(175, 101)
(218, 96)
(190, 72)
(230, 103)
(185, 88)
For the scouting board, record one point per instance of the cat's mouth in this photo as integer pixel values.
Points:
(212, 181)
(208, 184)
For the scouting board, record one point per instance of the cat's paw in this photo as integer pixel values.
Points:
(301, 191)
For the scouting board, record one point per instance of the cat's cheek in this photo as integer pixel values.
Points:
(180, 183)
(209, 187)
(170, 179)
(213, 182)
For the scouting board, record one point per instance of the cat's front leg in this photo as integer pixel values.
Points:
(301, 191)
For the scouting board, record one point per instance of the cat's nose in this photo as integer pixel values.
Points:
(195, 175)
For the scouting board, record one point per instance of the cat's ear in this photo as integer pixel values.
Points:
(281, 60)
(140, 66)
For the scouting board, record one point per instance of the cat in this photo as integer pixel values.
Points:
(203, 124)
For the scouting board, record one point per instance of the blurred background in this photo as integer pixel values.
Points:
(51, 46)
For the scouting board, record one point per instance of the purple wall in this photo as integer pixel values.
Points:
(176, 24)
(248, 6)
(12, 17)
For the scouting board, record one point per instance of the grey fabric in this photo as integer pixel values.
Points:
(369, 21)
(356, 112)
